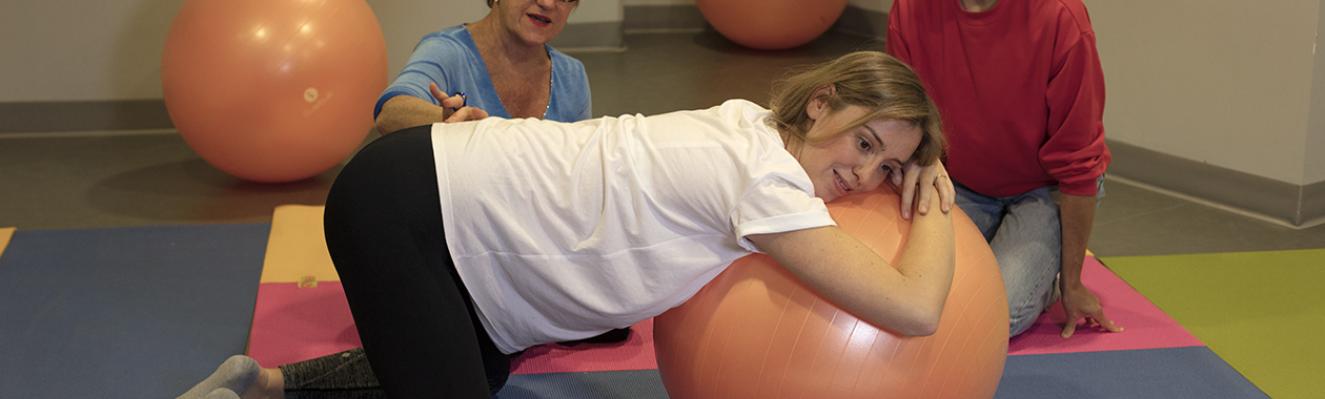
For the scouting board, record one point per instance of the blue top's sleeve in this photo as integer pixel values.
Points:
(428, 64)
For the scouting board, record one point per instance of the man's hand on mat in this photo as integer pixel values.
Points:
(453, 106)
(912, 176)
(1079, 302)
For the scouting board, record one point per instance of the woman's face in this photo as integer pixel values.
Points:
(536, 22)
(859, 159)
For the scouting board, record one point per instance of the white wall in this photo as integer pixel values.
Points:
(1315, 154)
(1227, 82)
(72, 50)
(1314, 169)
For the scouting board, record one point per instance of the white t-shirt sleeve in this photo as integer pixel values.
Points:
(780, 198)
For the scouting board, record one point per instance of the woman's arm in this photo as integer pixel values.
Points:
(907, 299)
(401, 112)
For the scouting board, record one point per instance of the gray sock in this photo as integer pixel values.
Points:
(234, 376)
(222, 393)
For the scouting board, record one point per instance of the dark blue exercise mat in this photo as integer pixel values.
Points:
(124, 313)
(1191, 372)
(1176, 373)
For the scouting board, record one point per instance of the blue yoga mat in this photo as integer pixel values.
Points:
(147, 312)
(124, 313)
(1175, 373)
(1192, 372)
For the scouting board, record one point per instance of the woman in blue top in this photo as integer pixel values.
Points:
(501, 65)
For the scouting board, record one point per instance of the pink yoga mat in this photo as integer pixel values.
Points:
(1146, 327)
(292, 324)
(634, 354)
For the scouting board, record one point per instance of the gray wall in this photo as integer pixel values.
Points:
(1221, 100)
(1223, 82)
(109, 50)
(68, 50)
(1315, 146)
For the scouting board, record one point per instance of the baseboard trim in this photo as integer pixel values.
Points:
(63, 116)
(687, 18)
(1290, 204)
(663, 19)
(1313, 204)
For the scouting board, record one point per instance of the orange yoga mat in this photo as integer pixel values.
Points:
(296, 248)
(5, 234)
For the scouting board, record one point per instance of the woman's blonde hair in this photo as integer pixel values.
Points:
(869, 79)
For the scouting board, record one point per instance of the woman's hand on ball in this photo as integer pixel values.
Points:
(909, 179)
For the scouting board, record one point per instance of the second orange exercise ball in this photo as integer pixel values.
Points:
(771, 24)
(273, 90)
(756, 332)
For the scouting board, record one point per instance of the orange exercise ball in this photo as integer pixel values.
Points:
(771, 24)
(273, 90)
(756, 332)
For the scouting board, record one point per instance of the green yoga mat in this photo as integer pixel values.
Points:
(1263, 312)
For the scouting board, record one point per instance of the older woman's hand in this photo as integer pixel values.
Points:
(912, 176)
(453, 106)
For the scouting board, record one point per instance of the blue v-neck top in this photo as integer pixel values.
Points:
(451, 59)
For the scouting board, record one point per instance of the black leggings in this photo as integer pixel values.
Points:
(383, 227)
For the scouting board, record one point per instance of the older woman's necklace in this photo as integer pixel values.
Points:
(551, 80)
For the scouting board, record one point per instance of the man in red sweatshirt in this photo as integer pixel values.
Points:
(1020, 88)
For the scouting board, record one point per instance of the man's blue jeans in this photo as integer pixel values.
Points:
(1026, 237)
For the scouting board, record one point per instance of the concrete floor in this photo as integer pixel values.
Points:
(132, 178)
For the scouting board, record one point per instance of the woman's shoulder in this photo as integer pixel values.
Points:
(743, 105)
(564, 63)
(457, 33)
(454, 39)
(748, 113)
(733, 110)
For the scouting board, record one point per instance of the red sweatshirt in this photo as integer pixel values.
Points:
(1019, 88)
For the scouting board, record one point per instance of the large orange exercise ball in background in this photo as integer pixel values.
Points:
(771, 24)
(756, 332)
(273, 90)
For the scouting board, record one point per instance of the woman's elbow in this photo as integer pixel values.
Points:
(923, 322)
(385, 121)
(920, 328)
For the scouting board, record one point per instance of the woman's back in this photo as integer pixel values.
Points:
(580, 228)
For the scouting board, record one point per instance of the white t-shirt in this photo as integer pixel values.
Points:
(562, 231)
